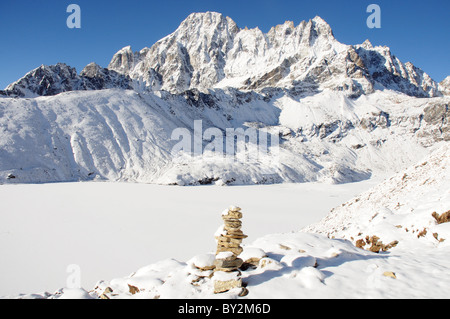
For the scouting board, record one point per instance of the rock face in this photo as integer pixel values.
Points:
(227, 263)
(385, 69)
(209, 50)
(97, 78)
(55, 79)
(46, 81)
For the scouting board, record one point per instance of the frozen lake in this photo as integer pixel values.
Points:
(112, 229)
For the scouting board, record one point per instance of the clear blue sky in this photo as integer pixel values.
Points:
(34, 32)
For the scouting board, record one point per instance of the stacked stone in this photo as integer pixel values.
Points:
(229, 248)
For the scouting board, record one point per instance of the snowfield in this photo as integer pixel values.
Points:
(322, 260)
(122, 135)
(112, 229)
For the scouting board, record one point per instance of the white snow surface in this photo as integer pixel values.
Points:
(112, 229)
(224, 255)
(399, 208)
(122, 135)
(322, 261)
(203, 261)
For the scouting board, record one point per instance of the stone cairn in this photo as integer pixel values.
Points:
(229, 238)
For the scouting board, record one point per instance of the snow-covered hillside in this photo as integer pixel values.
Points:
(326, 260)
(400, 209)
(123, 135)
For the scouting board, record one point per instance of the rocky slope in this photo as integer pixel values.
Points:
(55, 79)
(410, 208)
(124, 135)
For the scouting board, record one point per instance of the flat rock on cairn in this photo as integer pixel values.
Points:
(226, 274)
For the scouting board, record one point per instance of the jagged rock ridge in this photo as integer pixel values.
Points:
(208, 50)
(55, 79)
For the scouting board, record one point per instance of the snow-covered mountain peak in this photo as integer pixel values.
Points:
(209, 51)
(367, 45)
(322, 26)
(91, 70)
(212, 20)
(444, 86)
(200, 27)
(123, 61)
(208, 48)
(45, 80)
